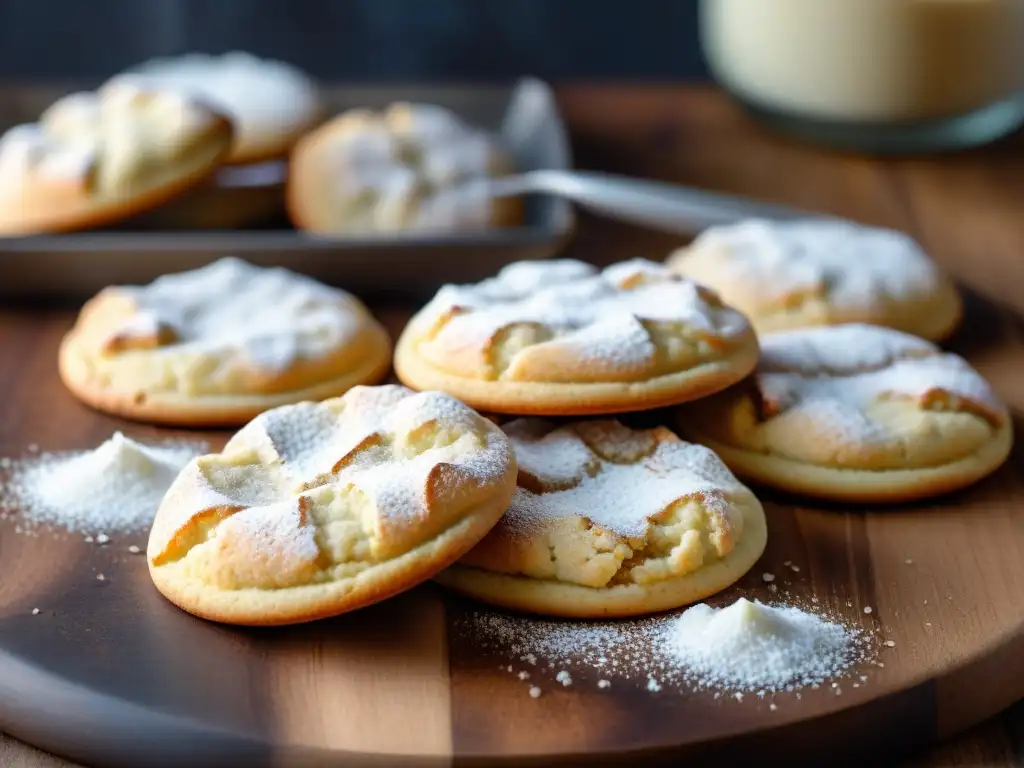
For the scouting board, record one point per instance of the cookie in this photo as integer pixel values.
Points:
(562, 338)
(317, 509)
(406, 168)
(270, 103)
(220, 344)
(607, 521)
(786, 275)
(96, 158)
(855, 413)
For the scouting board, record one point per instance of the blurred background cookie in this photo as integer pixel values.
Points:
(608, 521)
(219, 345)
(99, 157)
(856, 413)
(317, 509)
(406, 168)
(561, 337)
(270, 103)
(786, 275)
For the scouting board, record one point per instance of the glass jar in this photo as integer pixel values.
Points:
(893, 76)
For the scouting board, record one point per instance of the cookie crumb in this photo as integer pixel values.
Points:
(787, 563)
(767, 578)
(35, 611)
(33, 448)
(867, 609)
(908, 561)
(653, 685)
(89, 539)
(534, 692)
(134, 549)
(102, 538)
(738, 696)
(564, 678)
(772, 707)
(604, 684)
(889, 644)
(100, 577)
(796, 568)
(524, 675)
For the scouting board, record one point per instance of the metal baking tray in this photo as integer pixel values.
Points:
(525, 115)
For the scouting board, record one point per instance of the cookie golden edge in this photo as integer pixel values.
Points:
(297, 605)
(883, 486)
(573, 601)
(220, 410)
(40, 220)
(529, 398)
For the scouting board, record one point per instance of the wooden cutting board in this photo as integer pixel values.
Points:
(108, 673)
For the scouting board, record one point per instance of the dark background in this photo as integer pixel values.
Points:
(395, 40)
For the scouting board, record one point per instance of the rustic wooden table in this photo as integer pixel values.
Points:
(969, 202)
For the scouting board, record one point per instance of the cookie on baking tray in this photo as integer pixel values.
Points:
(405, 168)
(855, 413)
(316, 509)
(786, 275)
(561, 337)
(220, 344)
(608, 521)
(95, 158)
(270, 103)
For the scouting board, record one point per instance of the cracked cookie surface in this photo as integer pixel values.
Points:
(856, 412)
(316, 509)
(786, 275)
(219, 344)
(561, 337)
(608, 521)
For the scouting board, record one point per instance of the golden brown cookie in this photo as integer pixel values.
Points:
(562, 338)
(404, 169)
(94, 159)
(270, 103)
(856, 413)
(607, 521)
(785, 275)
(220, 344)
(317, 509)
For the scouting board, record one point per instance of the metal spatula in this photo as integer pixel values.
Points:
(647, 203)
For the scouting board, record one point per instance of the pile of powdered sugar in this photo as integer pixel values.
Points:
(745, 647)
(752, 646)
(114, 487)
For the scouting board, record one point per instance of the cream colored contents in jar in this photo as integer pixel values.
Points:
(867, 60)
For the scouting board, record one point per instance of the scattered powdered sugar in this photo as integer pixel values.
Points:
(747, 647)
(114, 487)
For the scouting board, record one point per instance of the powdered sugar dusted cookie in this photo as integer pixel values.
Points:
(406, 168)
(270, 103)
(316, 509)
(786, 275)
(858, 413)
(607, 521)
(561, 337)
(95, 158)
(220, 344)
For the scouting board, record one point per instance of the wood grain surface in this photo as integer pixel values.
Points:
(301, 685)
